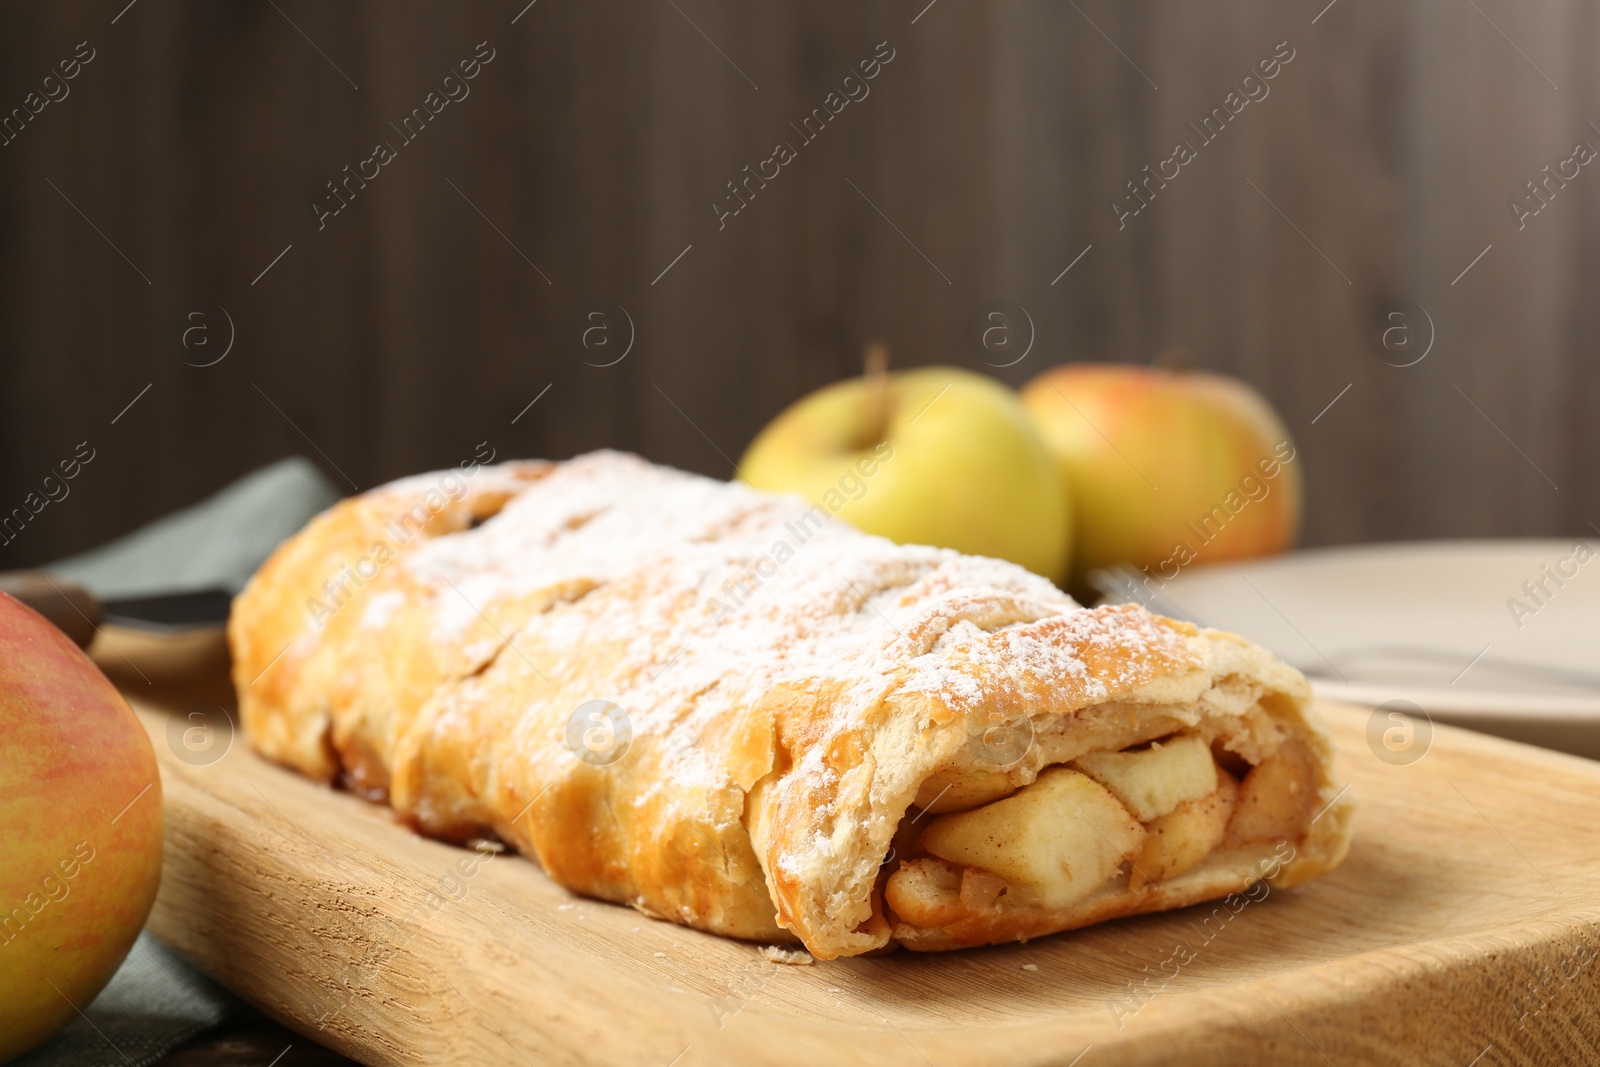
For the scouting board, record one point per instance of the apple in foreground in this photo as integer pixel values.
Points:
(80, 829)
(934, 456)
(1166, 468)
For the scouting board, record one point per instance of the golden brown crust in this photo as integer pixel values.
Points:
(289, 630)
(790, 685)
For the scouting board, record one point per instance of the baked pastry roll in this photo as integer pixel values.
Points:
(726, 709)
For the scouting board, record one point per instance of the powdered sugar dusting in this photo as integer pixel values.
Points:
(714, 594)
(381, 608)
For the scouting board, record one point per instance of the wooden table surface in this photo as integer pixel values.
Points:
(1465, 923)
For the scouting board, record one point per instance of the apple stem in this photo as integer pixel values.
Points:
(1177, 359)
(876, 360)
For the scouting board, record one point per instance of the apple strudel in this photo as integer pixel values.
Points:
(726, 709)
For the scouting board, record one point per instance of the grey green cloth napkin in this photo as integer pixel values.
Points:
(156, 1001)
(217, 543)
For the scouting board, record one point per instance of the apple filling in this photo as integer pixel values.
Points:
(1128, 821)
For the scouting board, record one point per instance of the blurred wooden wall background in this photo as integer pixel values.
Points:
(453, 289)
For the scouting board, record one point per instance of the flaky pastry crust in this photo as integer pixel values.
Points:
(794, 691)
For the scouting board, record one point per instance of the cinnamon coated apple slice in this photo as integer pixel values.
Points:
(1275, 798)
(1180, 839)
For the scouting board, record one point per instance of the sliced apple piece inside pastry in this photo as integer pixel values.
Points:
(1184, 836)
(958, 789)
(1060, 838)
(1153, 781)
(927, 892)
(1275, 798)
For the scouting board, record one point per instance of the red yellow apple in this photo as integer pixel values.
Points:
(1166, 468)
(80, 829)
(935, 456)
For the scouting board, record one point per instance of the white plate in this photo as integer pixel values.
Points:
(1434, 623)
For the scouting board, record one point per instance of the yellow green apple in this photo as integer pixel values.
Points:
(80, 829)
(1166, 467)
(935, 456)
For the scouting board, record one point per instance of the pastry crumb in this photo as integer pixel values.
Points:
(1030, 966)
(796, 957)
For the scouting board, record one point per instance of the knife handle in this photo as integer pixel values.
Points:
(72, 609)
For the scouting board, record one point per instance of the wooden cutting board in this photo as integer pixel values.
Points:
(1464, 929)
